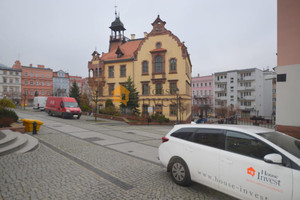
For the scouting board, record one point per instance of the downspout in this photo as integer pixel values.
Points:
(133, 72)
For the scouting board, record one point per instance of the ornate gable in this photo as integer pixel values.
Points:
(119, 52)
(95, 55)
(158, 27)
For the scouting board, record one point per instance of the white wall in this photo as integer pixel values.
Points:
(259, 93)
(288, 96)
(267, 109)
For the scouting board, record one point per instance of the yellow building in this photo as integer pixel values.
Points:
(158, 64)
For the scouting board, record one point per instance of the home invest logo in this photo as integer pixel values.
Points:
(121, 95)
(251, 171)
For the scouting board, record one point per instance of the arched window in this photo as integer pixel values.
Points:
(100, 71)
(145, 67)
(91, 73)
(173, 65)
(158, 64)
(96, 72)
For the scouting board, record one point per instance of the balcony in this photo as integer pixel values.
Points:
(220, 106)
(223, 98)
(201, 96)
(220, 89)
(249, 78)
(252, 98)
(249, 108)
(246, 78)
(245, 88)
(221, 81)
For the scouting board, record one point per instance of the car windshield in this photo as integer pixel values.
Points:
(71, 104)
(286, 142)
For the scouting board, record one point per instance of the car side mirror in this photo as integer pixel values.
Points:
(273, 158)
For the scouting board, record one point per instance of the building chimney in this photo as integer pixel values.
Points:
(132, 36)
(41, 66)
(145, 34)
(17, 65)
(198, 75)
(30, 65)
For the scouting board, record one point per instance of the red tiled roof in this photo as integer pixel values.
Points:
(127, 49)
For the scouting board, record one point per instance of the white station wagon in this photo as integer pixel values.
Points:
(246, 162)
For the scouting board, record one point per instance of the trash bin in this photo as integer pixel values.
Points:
(28, 123)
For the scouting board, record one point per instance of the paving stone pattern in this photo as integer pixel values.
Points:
(70, 167)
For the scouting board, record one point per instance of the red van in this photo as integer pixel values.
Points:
(66, 107)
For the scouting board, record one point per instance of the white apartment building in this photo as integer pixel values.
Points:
(247, 90)
(10, 83)
(61, 83)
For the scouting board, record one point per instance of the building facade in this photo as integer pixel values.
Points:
(158, 64)
(247, 91)
(10, 84)
(81, 83)
(288, 68)
(61, 84)
(203, 95)
(36, 81)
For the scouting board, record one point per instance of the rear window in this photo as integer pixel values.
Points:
(184, 133)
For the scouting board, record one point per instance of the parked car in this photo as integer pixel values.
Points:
(247, 162)
(66, 107)
(39, 103)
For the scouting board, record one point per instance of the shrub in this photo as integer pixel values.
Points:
(6, 103)
(109, 111)
(86, 108)
(160, 118)
(109, 103)
(7, 117)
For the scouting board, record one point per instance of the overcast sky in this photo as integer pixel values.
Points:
(62, 34)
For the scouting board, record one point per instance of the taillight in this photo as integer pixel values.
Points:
(164, 139)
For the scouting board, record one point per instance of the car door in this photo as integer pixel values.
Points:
(204, 152)
(296, 182)
(246, 175)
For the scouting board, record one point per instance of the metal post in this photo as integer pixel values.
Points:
(34, 125)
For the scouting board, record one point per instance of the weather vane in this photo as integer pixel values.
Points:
(116, 9)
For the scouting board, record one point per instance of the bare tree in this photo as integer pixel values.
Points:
(222, 111)
(96, 85)
(24, 99)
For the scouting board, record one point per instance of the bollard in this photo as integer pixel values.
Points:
(34, 128)
(149, 120)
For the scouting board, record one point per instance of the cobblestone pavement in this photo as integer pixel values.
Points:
(78, 159)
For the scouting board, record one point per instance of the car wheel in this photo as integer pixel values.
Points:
(63, 116)
(50, 113)
(180, 172)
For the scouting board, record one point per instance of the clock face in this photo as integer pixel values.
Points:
(158, 45)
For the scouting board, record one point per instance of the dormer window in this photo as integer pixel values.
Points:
(119, 53)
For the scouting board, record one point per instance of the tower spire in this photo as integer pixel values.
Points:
(116, 11)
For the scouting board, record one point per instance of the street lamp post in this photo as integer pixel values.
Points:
(177, 104)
